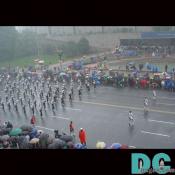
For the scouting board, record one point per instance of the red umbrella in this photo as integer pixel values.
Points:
(124, 147)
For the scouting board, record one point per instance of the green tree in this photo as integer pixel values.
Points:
(83, 46)
(8, 37)
(26, 44)
(70, 49)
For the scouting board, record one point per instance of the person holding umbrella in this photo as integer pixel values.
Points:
(82, 136)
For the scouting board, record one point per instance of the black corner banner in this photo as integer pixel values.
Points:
(132, 161)
(90, 13)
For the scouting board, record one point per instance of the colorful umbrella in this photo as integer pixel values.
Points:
(78, 146)
(116, 146)
(62, 74)
(15, 132)
(101, 145)
(34, 141)
(124, 146)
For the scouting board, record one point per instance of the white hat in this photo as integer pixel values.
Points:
(81, 128)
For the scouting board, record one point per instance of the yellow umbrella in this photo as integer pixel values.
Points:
(34, 141)
(101, 145)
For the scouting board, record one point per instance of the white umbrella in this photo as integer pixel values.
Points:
(41, 62)
(34, 141)
(62, 74)
(101, 145)
(40, 131)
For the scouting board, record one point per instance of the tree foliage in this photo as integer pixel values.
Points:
(15, 45)
(8, 36)
(83, 46)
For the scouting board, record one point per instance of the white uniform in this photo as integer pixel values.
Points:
(131, 119)
(146, 104)
(154, 94)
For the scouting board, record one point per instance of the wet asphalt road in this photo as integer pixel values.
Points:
(104, 115)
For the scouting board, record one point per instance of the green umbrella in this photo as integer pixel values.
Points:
(15, 132)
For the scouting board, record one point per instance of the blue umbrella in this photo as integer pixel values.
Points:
(78, 146)
(116, 146)
(33, 133)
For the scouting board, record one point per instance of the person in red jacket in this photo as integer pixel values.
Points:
(82, 136)
(33, 120)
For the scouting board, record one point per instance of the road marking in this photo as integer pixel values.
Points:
(74, 109)
(171, 123)
(125, 107)
(166, 104)
(159, 134)
(59, 117)
(166, 98)
(90, 96)
(45, 128)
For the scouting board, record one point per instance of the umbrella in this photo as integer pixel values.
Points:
(23, 142)
(101, 145)
(33, 133)
(57, 144)
(26, 128)
(41, 62)
(124, 146)
(15, 132)
(44, 136)
(34, 141)
(70, 145)
(116, 146)
(5, 131)
(40, 132)
(5, 137)
(50, 139)
(43, 140)
(132, 147)
(5, 144)
(62, 74)
(78, 146)
(25, 133)
(66, 138)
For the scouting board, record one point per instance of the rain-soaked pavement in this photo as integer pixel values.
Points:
(103, 113)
